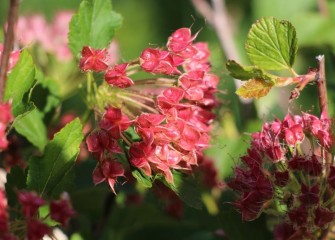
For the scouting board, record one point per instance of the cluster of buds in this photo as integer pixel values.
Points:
(5, 118)
(170, 115)
(287, 168)
(60, 211)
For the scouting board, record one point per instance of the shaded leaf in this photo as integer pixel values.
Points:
(19, 82)
(94, 25)
(272, 44)
(254, 89)
(141, 178)
(47, 172)
(31, 126)
(187, 189)
(248, 72)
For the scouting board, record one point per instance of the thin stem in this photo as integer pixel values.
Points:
(138, 96)
(8, 44)
(323, 8)
(217, 15)
(322, 88)
(137, 104)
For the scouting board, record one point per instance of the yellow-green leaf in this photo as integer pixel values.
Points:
(254, 88)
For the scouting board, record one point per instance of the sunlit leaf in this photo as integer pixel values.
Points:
(272, 44)
(47, 172)
(94, 25)
(31, 126)
(19, 82)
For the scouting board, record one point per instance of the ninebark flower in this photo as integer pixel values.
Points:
(162, 122)
(275, 163)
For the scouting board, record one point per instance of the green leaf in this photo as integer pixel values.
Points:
(272, 44)
(142, 179)
(248, 72)
(94, 25)
(254, 89)
(19, 82)
(187, 189)
(31, 126)
(47, 172)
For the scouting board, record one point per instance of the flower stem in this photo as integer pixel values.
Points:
(8, 44)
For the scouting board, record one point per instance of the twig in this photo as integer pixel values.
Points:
(322, 88)
(323, 8)
(8, 44)
(217, 17)
(204, 9)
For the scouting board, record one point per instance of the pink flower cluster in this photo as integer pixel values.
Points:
(5, 118)
(51, 36)
(172, 119)
(60, 211)
(284, 165)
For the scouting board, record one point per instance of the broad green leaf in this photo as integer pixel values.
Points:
(187, 189)
(142, 179)
(94, 25)
(47, 172)
(19, 82)
(272, 44)
(254, 89)
(31, 126)
(248, 72)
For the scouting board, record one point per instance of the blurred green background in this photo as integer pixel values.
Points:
(150, 22)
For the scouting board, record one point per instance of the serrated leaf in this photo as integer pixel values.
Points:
(47, 172)
(187, 189)
(272, 44)
(19, 82)
(94, 25)
(142, 179)
(254, 89)
(248, 72)
(31, 126)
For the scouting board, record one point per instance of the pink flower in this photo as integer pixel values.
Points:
(3, 138)
(3, 213)
(115, 122)
(108, 170)
(36, 230)
(309, 195)
(93, 60)
(181, 42)
(159, 61)
(30, 202)
(116, 76)
(323, 216)
(61, 210)
(13, 58)
(298, 215)
(140, 152)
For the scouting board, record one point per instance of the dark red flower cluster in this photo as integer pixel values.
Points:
(284, 166)
(60, 211)
(5, 118)
(171, 116)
